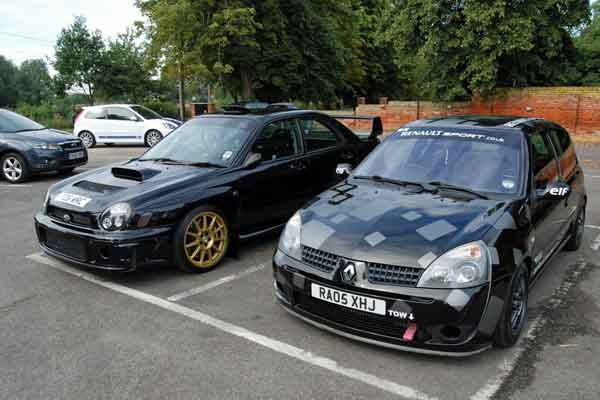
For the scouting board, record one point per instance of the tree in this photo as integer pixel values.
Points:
(33, 81)
(125, 75)
(588, 47)
(452, 49)
(8, 88)
(80, 59)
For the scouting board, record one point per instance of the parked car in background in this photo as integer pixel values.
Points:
(432, 243)
(218, 179)
(122, 124)
(28, 148)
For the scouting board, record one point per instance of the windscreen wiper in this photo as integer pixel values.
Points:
(206, 164)
(162, 160)
(27, 130)
(378, 178)
(449, 186)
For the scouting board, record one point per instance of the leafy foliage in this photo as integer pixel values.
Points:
(79, 57)
(588, 46)
(8, 87)
(33, 82)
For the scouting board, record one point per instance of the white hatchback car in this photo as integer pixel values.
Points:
(123, 124)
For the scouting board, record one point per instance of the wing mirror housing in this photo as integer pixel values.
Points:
(252, 160)
(554, 191)
(343, 170)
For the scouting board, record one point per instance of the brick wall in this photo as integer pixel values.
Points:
(575, 108)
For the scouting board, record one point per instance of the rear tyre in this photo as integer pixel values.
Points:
(201, 240)
(514, 313)
(153, 137)
(88, 139)
(15, 168)
(576, 231)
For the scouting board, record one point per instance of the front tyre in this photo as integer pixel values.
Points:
(153, 137)
(14, 168)
(201, 240)
(88, 139)
(514, 313)
(576, 231)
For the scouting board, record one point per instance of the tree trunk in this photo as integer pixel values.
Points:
(246, 84)
(180, 89)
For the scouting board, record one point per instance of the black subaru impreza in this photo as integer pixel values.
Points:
(432, 242)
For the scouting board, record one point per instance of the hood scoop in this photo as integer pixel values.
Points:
(134, 174)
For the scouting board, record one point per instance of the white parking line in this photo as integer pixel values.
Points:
(261, 340)
(16, 185)
(593, 176)
(596, 245)
(214, 284)
(593, 226)
(509, 363)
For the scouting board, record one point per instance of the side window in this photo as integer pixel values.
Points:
(545, 168)
(95, 114)
(120, 114)
(562, 143)
(317, 136)
(277, 140)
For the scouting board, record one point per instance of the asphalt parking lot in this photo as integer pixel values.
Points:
(71, 333)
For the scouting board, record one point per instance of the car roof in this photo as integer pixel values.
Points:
(260, 115)
(110, 105)
(495, 122)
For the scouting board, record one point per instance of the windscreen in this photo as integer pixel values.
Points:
(145, 112)
(204, 139)
(473, 159)
(11, 122)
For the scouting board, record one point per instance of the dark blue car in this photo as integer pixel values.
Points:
(28, 148)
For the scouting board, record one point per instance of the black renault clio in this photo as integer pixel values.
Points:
(432, 243)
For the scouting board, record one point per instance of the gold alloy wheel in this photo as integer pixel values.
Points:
(205, 239)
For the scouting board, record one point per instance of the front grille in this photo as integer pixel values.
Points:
(378, 324)
(74, 145)
(75, 218)
(393, 274)
(319, 259)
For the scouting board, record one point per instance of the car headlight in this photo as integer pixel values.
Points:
(289, 242)
(168, 125)
(44, 146)
(465, 266)
(116, 217)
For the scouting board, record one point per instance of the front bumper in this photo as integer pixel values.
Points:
(54, 160)
(444, 322)
(114, 251)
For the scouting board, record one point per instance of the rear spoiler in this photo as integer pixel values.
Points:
(376, 124)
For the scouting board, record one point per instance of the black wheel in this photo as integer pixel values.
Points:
(153, 137)
(88, 139)
(576, 231)
(514, 313)
(201, 240)
(15, 168)
(66, 171)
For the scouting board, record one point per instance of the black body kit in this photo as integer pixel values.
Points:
(366, 244)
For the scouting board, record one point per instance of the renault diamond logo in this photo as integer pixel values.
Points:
(348, 270)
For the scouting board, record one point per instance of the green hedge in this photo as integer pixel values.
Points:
(57, 115)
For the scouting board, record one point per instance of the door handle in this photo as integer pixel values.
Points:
(298, 166)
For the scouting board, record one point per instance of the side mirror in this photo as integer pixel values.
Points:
(376, 129)
(252, 160)
(343, 170)
(554, 191)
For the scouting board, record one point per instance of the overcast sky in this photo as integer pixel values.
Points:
(42, 20)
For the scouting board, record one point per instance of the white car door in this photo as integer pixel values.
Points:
(123, 126)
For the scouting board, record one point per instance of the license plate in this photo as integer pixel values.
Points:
(349, 300)
(76, 155)
(72, 199)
